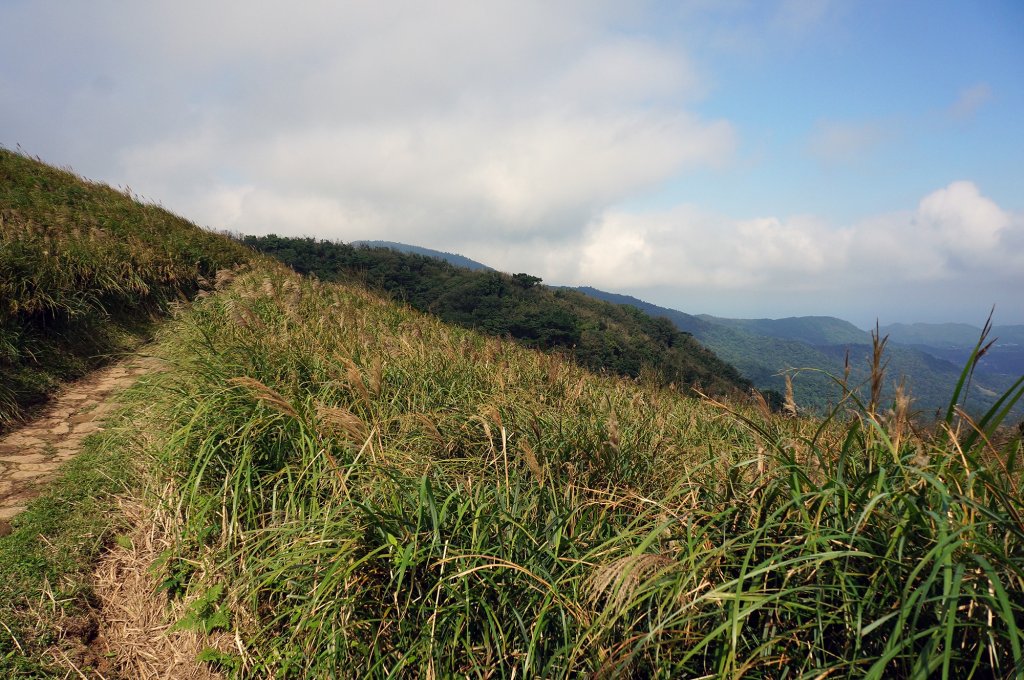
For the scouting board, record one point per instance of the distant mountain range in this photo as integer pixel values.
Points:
(955, 341)
(950, 334)
(810, 330)
(451, 258)
(763, 348)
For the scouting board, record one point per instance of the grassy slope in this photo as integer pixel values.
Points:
(370, 492)
(377, 492)
(83, 270)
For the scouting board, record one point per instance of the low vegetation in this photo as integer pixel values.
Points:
(83, 270)
(365, 488)
(355, 489)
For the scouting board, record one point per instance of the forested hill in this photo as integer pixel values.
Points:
(599, 335)
(810, 330)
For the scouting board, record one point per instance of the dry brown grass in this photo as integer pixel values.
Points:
(616, 583)
(136, 619)
(265, 394)
(342, 421)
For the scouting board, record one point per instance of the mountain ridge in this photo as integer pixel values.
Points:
(764, 358)
(951, 334)
(451, 258)
(813, 330)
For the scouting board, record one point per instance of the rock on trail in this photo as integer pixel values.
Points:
(31, 454)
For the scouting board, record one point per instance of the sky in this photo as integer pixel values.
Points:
(747, 158)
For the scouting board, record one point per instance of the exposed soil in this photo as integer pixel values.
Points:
(31, 454)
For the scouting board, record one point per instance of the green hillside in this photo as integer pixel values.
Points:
(365, 491)
(600, 336)
(761, 359)
(323, 482)
(83, 270)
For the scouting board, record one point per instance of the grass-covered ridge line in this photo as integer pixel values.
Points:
(360, 490)
(83, 268)
(600, 336)
(379, 494)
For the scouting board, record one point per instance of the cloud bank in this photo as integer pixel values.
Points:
(359, 120)
(515, 132)
(955, 234)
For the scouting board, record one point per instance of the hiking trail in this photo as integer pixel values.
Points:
(31, 454)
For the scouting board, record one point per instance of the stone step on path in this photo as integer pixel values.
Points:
(31, 454)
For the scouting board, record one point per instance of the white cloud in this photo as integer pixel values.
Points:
(371, 119)
(540, 172)
(963, 222)
(627, 69)
(687, 248)
(955, 235)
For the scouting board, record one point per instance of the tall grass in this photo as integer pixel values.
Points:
(369, 492)
(83, 268)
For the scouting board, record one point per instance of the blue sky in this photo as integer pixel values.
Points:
(757, 158)
(895, 72)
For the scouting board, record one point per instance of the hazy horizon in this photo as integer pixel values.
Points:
(743, 159)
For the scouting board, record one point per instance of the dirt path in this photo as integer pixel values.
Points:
(31, 454)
